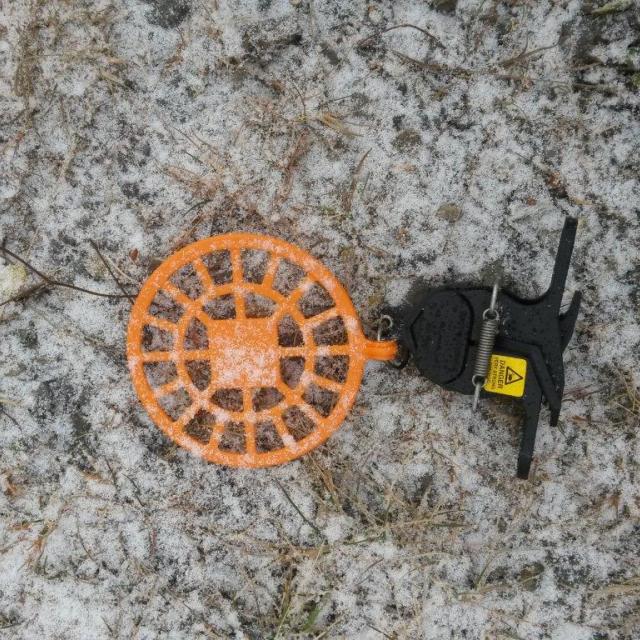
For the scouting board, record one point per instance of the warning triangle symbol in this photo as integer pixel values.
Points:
(511, 376)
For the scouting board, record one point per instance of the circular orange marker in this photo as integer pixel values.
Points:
(246, 350)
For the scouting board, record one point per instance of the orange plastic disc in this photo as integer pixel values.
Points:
(246, 350)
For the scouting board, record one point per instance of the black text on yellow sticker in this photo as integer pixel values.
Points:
(506, 376)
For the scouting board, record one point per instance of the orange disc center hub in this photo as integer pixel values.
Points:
(244, 353)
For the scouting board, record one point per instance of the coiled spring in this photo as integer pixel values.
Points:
(488, 333)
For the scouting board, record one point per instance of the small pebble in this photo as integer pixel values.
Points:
(374, 14)
(450, 212)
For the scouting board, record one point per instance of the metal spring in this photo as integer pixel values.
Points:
(488, 333)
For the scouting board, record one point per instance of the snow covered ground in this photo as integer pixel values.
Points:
(442, 140)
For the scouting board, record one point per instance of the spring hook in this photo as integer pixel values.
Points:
(385, 326)
(488, 333)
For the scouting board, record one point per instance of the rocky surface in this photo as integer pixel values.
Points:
(440, 140)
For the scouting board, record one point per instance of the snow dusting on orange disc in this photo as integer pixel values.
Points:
(246, 350)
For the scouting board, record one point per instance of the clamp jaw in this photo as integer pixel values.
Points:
(446, 332)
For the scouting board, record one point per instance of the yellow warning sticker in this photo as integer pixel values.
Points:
(506, 376)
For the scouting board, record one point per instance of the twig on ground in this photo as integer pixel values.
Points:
(197, 205)
(5, 413)
(295, 506)
(12, 624)
(380, 631)
(136, 490)
(27, 293)
(52, 282)
(110, 270)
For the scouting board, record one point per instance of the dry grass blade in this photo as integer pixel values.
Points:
(526, 55)
(524, 80)
(405, 25)
(206, 187)
(630, 587)
(614, 6)
(298, 510)
(336, 123)
(299, 150)
(347, 199)
(434, 66)
(629, 399)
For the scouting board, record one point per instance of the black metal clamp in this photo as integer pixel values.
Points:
(446, 332)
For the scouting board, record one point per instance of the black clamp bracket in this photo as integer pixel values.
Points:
(485, 340)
